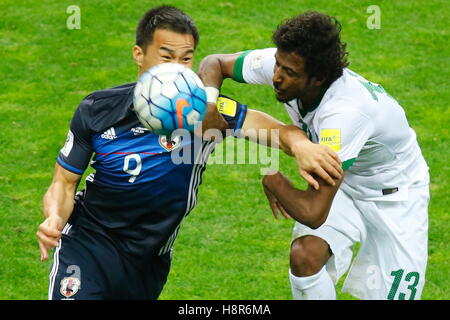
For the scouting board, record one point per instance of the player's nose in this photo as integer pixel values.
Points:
(277, 79)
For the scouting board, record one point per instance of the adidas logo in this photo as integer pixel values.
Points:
(139, 130)
(109, 134)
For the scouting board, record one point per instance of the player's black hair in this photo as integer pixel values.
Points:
(167, 18)
(316, 38)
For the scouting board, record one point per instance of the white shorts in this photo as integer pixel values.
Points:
(392, 258)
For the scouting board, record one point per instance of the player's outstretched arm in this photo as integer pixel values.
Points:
(312, 159)
(58, 206)
(309, 207)
(212, 70)
(215, 68)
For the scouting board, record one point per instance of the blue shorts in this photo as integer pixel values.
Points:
(88, 266)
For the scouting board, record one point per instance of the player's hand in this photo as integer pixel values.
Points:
(269, 181)
(317, 159)
(212, 120)
(48, 234)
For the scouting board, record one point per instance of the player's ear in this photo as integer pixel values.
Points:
(317, 82)
(138, 55)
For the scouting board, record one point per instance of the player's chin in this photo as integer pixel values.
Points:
(282, 98)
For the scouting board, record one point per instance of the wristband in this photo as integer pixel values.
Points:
(211, 94)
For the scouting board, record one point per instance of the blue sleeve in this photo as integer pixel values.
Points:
(76, 153)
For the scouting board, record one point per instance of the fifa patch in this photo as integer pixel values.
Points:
(331, 138)
(68, 145)
(69, 286)
(168, 144)
(226, 106)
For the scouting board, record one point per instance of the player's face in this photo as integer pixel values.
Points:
(290, 80)
(166, 46)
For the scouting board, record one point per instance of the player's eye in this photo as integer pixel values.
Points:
(291, 73)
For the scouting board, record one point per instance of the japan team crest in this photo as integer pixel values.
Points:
(69, 286)
(168, 144)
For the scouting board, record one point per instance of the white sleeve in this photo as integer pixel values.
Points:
(345, 131)
(255, 66)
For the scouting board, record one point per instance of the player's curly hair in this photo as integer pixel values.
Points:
(316, 38)
(167, 18)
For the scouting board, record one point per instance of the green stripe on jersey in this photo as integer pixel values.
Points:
(347, 164)
(238, 65)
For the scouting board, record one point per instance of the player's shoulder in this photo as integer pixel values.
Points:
(105, 107)
(115, 95)
(255, 66)
(258, 55)
(264, 51)
(347, 94)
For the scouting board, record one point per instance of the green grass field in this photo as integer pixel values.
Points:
(229, 247)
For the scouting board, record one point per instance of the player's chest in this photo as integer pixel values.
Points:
(131, 154)
(302, 120)
(132, 138)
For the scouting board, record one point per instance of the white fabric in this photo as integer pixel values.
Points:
(393, 236)
(258, 66)
(211, 94)
(316, 287)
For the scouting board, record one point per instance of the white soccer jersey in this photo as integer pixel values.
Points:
(365, 126)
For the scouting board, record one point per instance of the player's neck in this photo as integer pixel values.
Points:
(312, 99)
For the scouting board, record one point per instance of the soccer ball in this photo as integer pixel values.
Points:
(169, 96)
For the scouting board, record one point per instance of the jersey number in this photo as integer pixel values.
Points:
(412, 278)
(137, 167)
(373, 88)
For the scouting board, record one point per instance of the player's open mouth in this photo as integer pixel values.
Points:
(278, 92)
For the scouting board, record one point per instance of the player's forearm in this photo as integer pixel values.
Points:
(262, 128)
(292, 139)
(289, 138)
(58, 200)
(259, 127)
(301, 205)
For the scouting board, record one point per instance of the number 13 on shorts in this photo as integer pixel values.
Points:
(412, 278)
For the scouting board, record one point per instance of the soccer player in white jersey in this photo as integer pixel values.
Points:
(382, 200)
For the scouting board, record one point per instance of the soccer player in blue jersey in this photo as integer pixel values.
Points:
(114, 241)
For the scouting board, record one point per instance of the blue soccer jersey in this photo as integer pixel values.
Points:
(137, 195)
